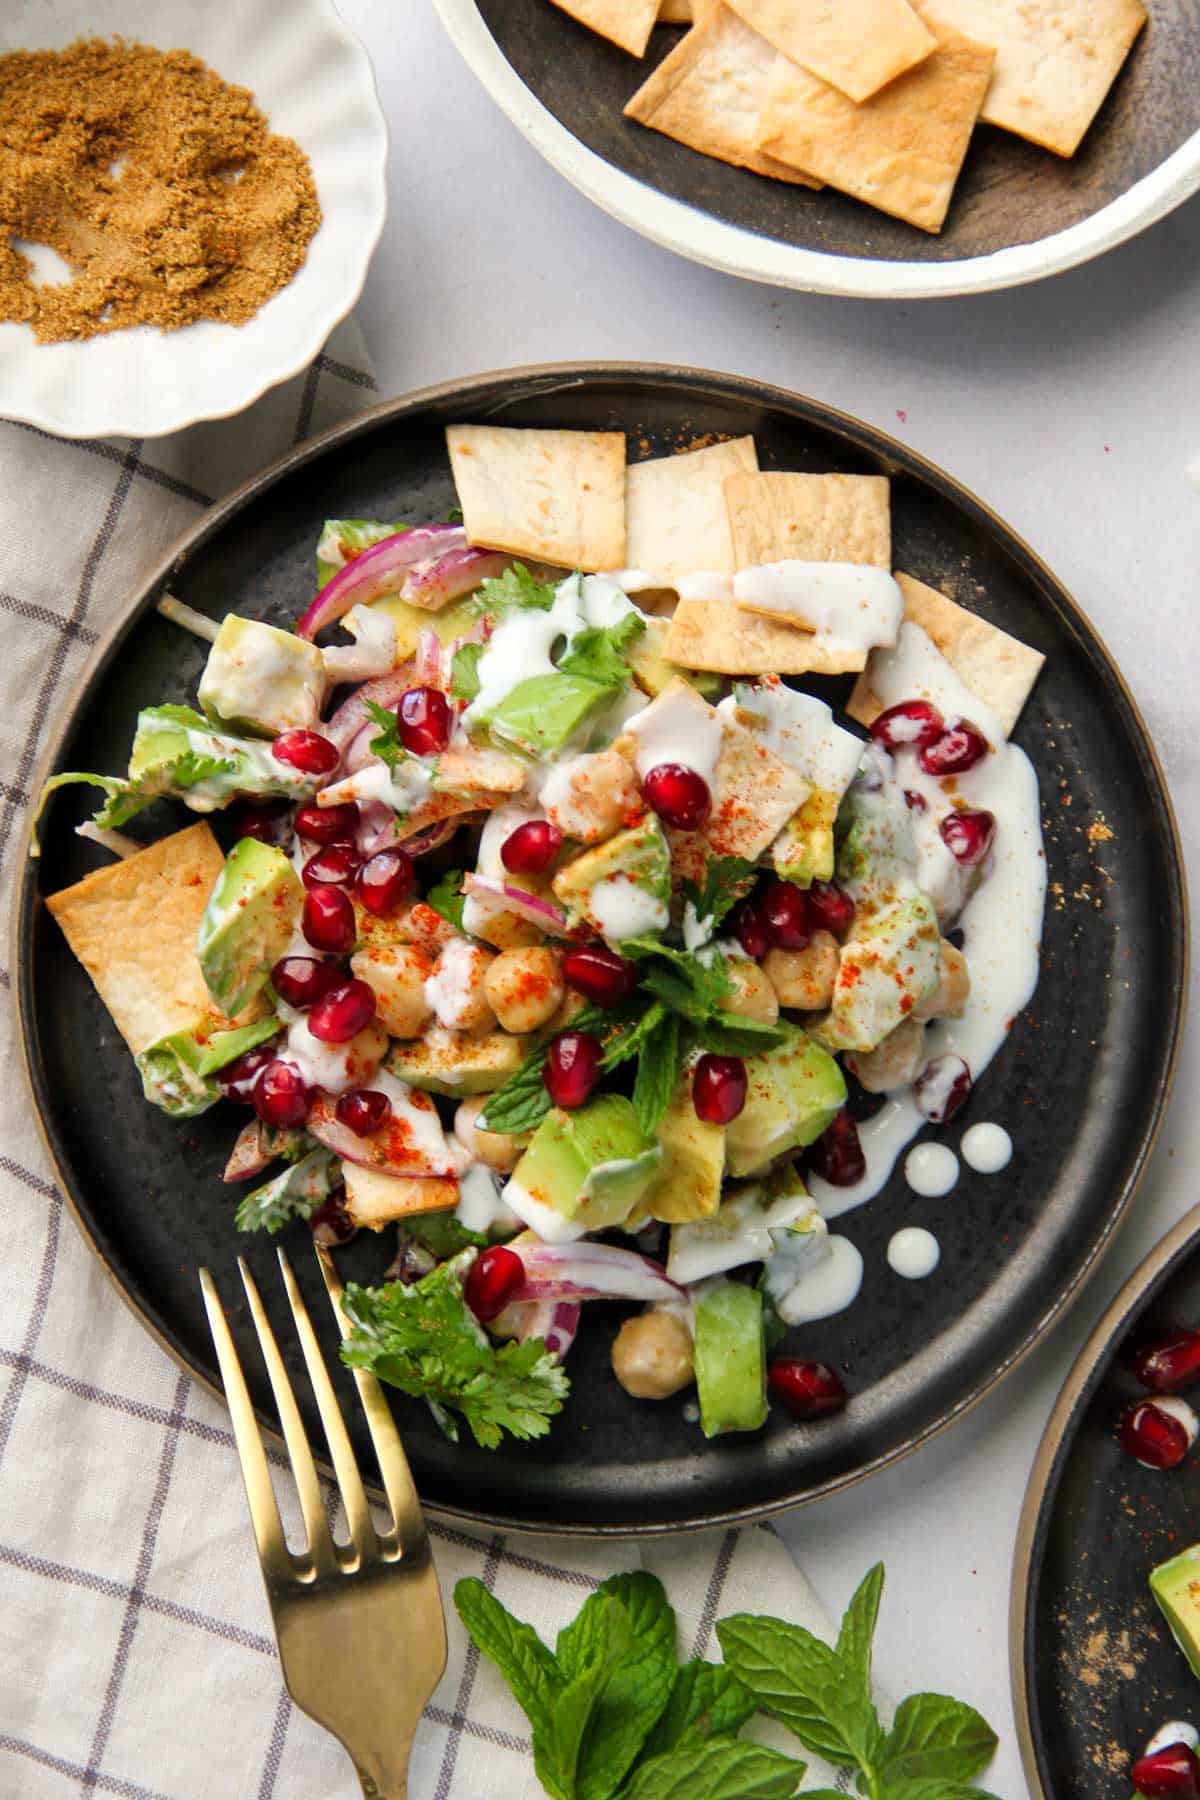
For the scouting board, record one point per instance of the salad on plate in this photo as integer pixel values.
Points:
(562, 931)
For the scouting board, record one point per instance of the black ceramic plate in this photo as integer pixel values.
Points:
(1082, 1080)
(1095, 1669)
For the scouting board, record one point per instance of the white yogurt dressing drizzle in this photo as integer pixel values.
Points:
(623, 908)
(679, 727)
(913, 1253)
(931, 1170)
(848, 606)
(986, 1148)
(828, 1286)
(1175, 1731)
(520, 645)
(1001, 922)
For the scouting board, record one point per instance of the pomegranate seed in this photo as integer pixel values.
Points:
(236, 1080)
(343, 1012)
(307, 751)
(679, 796)
(331, 1223)
(603, 976)
(783, 909)
(915, 802)
(280, 1096)
(303, 980)
(328, 824)
(269, 822)
(830, 908)
(531, 848)
(958, 749)
(384, 881)
(1175, 1769)
(750, 930)
(492, 1280)
(572, 1068)
(968, 834)
(942, 1088)
(328, 920)
(424, 721)
(719, 1088)
(1168, 1363)
(912, 725)
(837, 1156)
(809, 1390)
(1153, 1436)
(335, 865)
(363, 1110)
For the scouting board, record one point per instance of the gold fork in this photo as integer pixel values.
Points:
(360, 1626)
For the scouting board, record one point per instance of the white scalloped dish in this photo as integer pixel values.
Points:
(313, 80)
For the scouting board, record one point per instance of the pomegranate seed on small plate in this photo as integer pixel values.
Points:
(809, 1390)
(236, 1080)
(750, 929)
(307, 751)
(268, 820)
(679, 795)
(331, 1223)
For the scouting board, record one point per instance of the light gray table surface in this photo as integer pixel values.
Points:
(1072, 407)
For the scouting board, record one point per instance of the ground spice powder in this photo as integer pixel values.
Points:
(159, 183)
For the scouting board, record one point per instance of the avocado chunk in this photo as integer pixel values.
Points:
(248, 922)
(804, 850)
(621, 887)
(543, 711)
(731, 1362)
(456, 1063)
(1176, 1587)
(888, 964)
(178, 751)
(653, 670)
(591, 1166)
(792, 1094)
(454, 621)
(687, 1184)
(877, 852)
(177, 1071)
(260, 679)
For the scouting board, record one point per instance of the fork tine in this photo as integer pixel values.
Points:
(304, 1469)
(260, 1495)
(358, 1513)
(389, 1450)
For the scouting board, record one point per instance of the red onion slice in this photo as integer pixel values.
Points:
(378, 571)
(498, 896)
(390, 1150)
(427, 668)
(441, 579)
(587, 1271)
(554, 1321)
(250, 1155)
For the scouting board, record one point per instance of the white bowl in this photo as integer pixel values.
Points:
(736, 251)
(313, 80)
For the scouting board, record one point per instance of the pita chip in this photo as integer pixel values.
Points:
(754, 794)
(902, 149)
(858, 46)
(1055, 60)
(780, 516)
(555, 496)
(708, 93)
(1000, 669)
(626, 23)
(675, 517)
(718, 636)
(133, 927)
(374, 1199)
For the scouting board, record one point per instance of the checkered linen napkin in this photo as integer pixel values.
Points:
(134, 1637)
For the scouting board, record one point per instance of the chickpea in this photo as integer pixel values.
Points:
(500, 1150)
(573, 1002)
(397, 974)
(652, 1355)
(893, 1063)
(524, 988)
(804, 978)
(954, 986)
(752, 994)
(509, 931)
(591, 796)
(458, 990)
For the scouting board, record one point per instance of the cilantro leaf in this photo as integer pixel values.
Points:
(933, 1736)
(716, 1771)
(387, 746)
(516, 588)
(464, 671)
(423, 1340)
(638, 1688)
(441, 1234)
(294, 1194)
(595, 652)
(657, 1074)
(445, 898)
(727, 879)
(707, 1701)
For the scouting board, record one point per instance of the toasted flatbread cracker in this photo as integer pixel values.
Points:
(556, 496)
(1055, 60)
(718, 636)
(780, 516)
(997, 667)
(675, 517)
(133, 927)
(626, 23)
(708, 93)
(902, 149)
(855, 45)
(754, 794)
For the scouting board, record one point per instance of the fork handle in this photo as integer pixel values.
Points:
(391, 1785)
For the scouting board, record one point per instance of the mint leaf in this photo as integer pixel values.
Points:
(707, 1701)
(522, 1102)
(514, 589)
(464, 671)
(932, 1787)
(387, 746)
(638, 1688)
(800, 1681)
(933, 1735)
(657, 1074)
(515, 1648)
(445, 897)
(424, 1340)
(716, 1771)
(630, 1038)
(858, 1631)
(604, 1641)
(733, 1034)
(727, 879)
